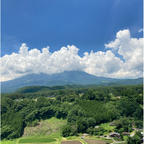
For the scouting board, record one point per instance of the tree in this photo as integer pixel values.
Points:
(61, 113)
(124, 125)
(91, 122)
(82, 125)
(138, 114)
(127, 106)
(136, 139)
(69, 130)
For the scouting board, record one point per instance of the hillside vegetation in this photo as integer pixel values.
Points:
(72, 111)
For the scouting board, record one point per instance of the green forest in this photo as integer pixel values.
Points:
(84, 108)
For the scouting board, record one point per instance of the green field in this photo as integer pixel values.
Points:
(8, 142)
(48, 127)
(48, 140)
(107, 127)
(36, 140)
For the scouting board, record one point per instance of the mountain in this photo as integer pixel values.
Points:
(64, 78)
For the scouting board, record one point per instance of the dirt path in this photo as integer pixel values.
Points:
(71, 142)
(95, 141)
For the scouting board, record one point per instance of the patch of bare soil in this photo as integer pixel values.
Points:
(71, 142)
(41, 128)
(90, 141)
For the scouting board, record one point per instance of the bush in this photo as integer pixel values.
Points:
(69, 130)
(33, 123)
(139, 124)
(123, 125)
(99, 131)
(136, 139)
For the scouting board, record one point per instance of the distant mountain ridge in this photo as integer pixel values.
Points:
(64, 78)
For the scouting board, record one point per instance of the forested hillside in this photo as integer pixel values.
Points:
(83, 108)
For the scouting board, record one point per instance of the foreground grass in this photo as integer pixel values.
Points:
(9, 142)
(36, 140)
(52, 140)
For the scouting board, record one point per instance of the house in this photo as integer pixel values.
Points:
(114, 134)
(112, 124)
(96, 127)
(125, 133)
(84, 135)
(118, 97)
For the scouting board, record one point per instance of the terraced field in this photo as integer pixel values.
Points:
(55, 141)
(45, 128)
(92, 141)
(8, 142)
(71, 142)
(37, 140)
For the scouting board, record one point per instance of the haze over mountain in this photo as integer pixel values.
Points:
(64, 78)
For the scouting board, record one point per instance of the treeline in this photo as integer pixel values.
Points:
(84, 108)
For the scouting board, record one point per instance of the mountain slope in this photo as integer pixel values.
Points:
(65, 78)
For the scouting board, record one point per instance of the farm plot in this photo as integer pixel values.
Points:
(45, 128)
(71, 142)
(92, 141)
(37, 140)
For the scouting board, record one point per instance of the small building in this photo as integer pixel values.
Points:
(96, 127)
(85, 134)
(112, 124)
(126, 133)
(82, 137)
(114, 134)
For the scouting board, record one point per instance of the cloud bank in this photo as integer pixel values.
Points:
(123, 59)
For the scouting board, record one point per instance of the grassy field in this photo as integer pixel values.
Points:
(8, 142)
(107, 127)
(37, 140)
(45, 128)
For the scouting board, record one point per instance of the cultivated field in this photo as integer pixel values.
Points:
(57, 140)
(37, 140)
(92, 141)
(71, 142)
(45, 128)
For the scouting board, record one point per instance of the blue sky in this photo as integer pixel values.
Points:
(88, 24)
(112, 29)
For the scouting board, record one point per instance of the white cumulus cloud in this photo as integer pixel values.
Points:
(127, 65)
(131, 49)
(140, 30)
